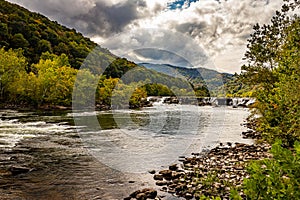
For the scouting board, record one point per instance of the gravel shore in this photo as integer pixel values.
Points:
(213, 173)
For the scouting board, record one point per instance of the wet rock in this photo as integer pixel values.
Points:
(133, 195)
(173, 167)
(147, 193)
(152, 171)
(188, 196)
(15, 170)
(158, 177)
(176, 175)
(141, 196)
(167, 174)
(150, 193)
(131, 181)
(161, 183)
(229, 144)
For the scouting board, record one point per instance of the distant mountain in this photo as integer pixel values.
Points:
(35, 34)
(212, 79)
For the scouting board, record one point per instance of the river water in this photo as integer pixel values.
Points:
(107, 154)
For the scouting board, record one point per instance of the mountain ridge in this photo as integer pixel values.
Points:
(199, 76)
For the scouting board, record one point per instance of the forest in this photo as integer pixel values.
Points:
(41, 58)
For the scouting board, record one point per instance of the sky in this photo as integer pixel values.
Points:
(206, 33)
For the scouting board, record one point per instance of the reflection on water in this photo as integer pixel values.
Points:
(97, 160)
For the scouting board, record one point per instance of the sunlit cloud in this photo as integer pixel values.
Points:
(220, 27)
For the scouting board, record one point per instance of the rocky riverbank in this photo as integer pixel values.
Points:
(209, 174)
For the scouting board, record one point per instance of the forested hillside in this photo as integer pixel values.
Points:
(35, 34)
(200, 78)
(40, 60)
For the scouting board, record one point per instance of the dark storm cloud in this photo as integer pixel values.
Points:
(91, 17)
(104, 20)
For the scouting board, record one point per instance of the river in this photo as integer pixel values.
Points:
(105, 154)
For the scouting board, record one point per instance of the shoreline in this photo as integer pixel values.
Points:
(212, 174)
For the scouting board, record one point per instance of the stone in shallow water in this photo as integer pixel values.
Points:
(15, 170)
(158, 177)
(147, 193)
(173, 167)
(152, 171)
(166, 173)
(161, 183)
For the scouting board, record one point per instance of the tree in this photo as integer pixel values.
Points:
(12, 68)
(53, 81)
(264, 47)
(18, 41)
(43, 46)
(273, 69)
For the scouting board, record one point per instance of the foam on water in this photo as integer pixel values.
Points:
(13, 131)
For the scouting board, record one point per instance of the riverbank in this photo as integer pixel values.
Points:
(146, 102)
(49, 140)
(212, 174)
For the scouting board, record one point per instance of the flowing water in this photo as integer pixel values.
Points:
(104, 155)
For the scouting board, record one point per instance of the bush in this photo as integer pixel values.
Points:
(276, 178)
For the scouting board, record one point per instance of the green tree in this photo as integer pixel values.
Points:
(53, 81)
(18, 41)
(84, 91)
(12, 68)
(43, 46)
(273, 69)
(105, 89)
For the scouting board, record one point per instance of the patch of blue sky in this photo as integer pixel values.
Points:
(180, 4)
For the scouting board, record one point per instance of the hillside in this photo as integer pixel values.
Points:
(35, 34)
(198, 77)
(40, 61)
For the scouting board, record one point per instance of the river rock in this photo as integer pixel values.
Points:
(158, 177)
(150, 193)
(166, 173)
(161, 183)
(133, 195)
(141, 196)
(173, 167)
(227, 163)
(147, 193)
(152, 171)
(15, 170)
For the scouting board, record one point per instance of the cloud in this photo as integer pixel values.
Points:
(217, 26)
(221, 28)
(154, 44)
(91, 17)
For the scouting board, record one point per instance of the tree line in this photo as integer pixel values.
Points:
(272, 76)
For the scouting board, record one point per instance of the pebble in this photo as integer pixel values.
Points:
(227, 163)
(189, 180)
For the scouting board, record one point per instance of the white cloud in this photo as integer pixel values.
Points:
(219, 27)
